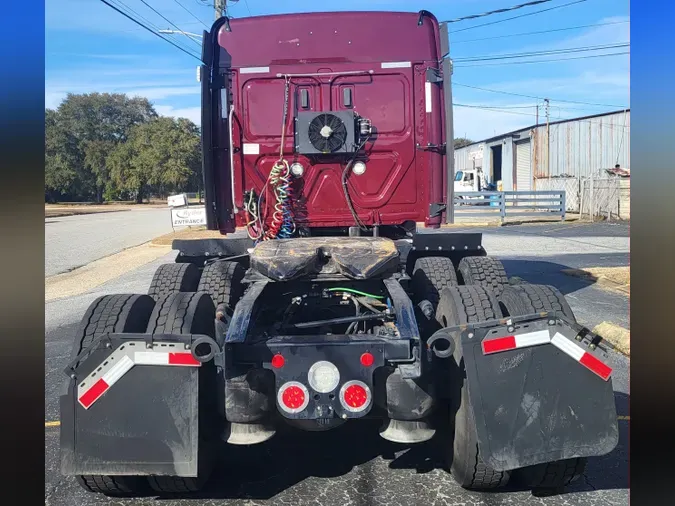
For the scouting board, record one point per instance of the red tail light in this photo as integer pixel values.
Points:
(367, 359)
(293, 397)
(355, 396)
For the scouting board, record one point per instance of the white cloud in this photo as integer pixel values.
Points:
(163, 92)
(194, 114)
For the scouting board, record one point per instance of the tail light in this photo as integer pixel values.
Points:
(355, 396)
(293, 397)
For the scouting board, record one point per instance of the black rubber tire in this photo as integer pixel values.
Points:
(222, 281)
(460, 305)
(183, 313)
(431, 275)
(552, 475)
(520, 300)
(173, 278)
(113, 314)
(117, 486)
(108, 314)
(484, 271)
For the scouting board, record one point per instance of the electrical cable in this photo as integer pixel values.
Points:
(498, 11)
(508, 56)
(345, 188)
(169, 21)
(535, 97)
(542, 61)
(191, 14)
(519, 16)
(149, 29)
(357, 292)
(510, 36)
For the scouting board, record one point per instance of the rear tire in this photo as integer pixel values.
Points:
(521, 300)
(461, 305)
(484, 271)
(174, 278)
(552, 475)
(430, 276)
(113, 314)
(116, 486)
(222, 281)
(189, 313)
(529, 299)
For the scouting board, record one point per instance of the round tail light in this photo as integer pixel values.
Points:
(323, 376)
(355, 396)
(293, 397)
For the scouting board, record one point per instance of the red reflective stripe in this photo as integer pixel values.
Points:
(182, 359)
(499, 344)
(89, 397)
(596, 366)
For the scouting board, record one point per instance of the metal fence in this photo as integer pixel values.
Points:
(507, 204)
(570, 185)
(601, 197)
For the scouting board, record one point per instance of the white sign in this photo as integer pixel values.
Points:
(188, 216)
(178, 200)
(251, 149)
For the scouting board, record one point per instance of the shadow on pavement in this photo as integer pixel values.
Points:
(263, 471)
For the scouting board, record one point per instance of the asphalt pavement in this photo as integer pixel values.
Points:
(74, 241)
(352, 465)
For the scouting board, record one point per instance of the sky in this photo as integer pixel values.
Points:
(89, 47)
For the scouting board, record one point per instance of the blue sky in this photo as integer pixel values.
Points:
(90, 47)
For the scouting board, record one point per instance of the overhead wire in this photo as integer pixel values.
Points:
(496, 11)
(150, 29)
(547, 52)
(519, 16)
(536, 97)
(542, 61)
(190, 13)
(522, 34)
(170, 22)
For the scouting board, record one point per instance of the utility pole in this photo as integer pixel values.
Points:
(548, 138)
(220, 8)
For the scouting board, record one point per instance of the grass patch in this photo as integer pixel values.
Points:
(613, 278)
(615, 335)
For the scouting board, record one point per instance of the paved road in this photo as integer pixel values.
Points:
(74, 241)
(353, 465)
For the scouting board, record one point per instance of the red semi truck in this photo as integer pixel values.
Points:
(327, 143)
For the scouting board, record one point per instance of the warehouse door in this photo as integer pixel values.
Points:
(523, 166)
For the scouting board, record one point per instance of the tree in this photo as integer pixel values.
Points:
(460, 142)
(82, 133)
(161, 155)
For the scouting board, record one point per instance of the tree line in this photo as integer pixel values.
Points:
(108, 146)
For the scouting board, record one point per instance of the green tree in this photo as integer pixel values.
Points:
(84, 132)
(460, 142)
(159, 156)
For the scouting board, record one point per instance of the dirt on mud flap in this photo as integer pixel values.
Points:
(540, 390)
(111, 384)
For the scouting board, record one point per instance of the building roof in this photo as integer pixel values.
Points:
(580, 118)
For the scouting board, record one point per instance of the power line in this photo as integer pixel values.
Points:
(498, 11)
(149, 29)
(248, 8)
(507, 56)
(502, 110)
(167, 20)
(535, 97)
(540, 32)
(543, 61)
(520, 16)
(190, 13)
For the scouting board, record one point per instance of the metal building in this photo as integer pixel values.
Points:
(529, 158)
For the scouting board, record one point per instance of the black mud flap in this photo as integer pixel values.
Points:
(538, 394)
(131, 407)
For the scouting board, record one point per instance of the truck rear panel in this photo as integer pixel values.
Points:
(375, 64)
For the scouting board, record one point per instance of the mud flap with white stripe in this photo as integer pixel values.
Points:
(538, 394)
(131, 407)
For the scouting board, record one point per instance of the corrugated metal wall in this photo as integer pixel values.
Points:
(464, 156)
(579, 147)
